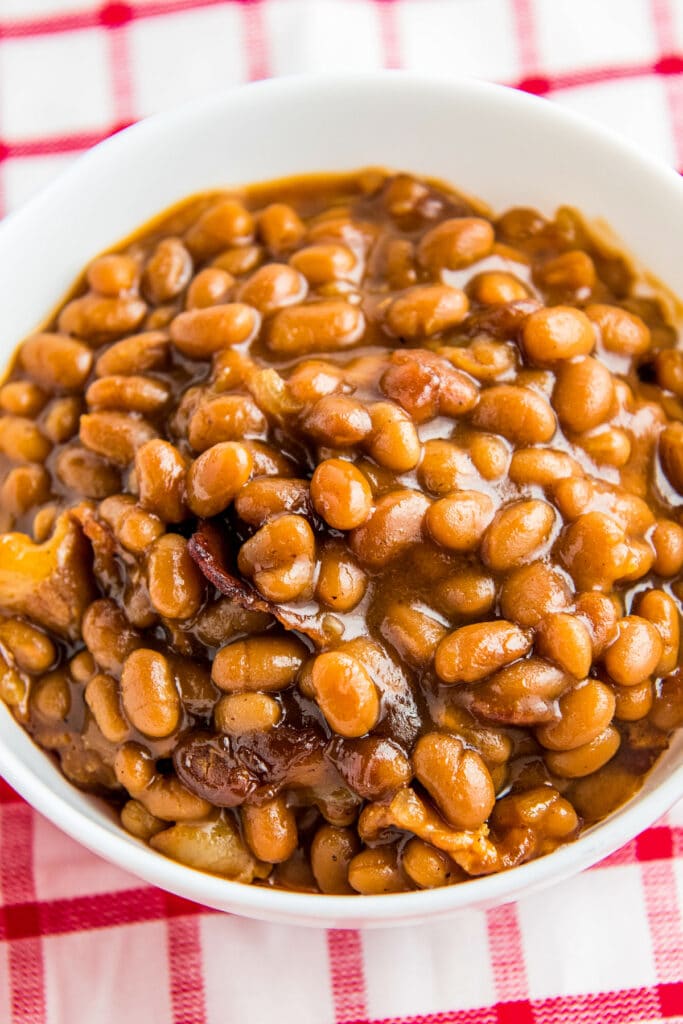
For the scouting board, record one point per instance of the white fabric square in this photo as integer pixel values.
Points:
(587, 935)
(182, 56)
(635, 108)
(51, 84)
(470, 37)
(296, 970)
(429, 968)
(583, 34)
(108, 975)
(25, 176)
(322, 35)
(26, 9)
(63, 869)
(675, 816)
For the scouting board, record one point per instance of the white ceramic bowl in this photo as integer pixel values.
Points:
(500, 145)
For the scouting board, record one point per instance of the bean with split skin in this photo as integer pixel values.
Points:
(456, 778)
(280, 558)
(260, 663)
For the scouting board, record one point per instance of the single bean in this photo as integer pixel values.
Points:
(32, 650)
(667, 540)
(22, 440)
(345, 692)
(100, 318)
(455, 243)
(280, 558)
(341, 582)
(168, 270)
(108, 635)
(210, 287)
(56, 362)
(456, 778)
(135, 355)
(200, 333)
(373, 872)
(130, 393)
(521, 415)
(280, 226)
(226, 222)
(660, 609)
(518, 533)
(524, 693)
(113, 274)
(332, 850)
(557, 333)
(22, 398)
(426, 310)
(176, 586)
(583, 394)
(273, 287)
(102, 697)
(393, 526)
(149, 694)
(632, 703)
(270, 830)
(585, 712)
(87, 473)
(322, 263)
(393, 442)
(338, 421)
(340, 494)
(239, 713)
(216, 476)
(266, 663)
(458, 522)
(225, 418)
(160, 471)
(474, 652)
(115, 435)
(317, 327)
(635, 653)
(470, 593)
(566, 641)
(266, 498)
(411, 632)
(620, 331)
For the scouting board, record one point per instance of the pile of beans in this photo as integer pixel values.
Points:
(342, 534)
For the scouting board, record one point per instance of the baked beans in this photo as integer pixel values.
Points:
(340, 534)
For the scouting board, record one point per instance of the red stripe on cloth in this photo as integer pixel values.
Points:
(120, 73)
(525, 33)
(347, 975)
(54, 145)
(618, 1007)
(390, 38)
(109, 15)
(654, 844)
(665, 35)
(507, 956)
(185, 966)
(26, 968)
(664, 919)
(7, 794)
(258, 64)
(29, 919)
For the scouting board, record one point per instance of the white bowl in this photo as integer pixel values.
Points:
(490, 142)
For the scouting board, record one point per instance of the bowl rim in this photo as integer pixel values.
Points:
(319, 909)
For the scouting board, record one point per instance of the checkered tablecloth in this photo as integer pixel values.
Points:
(81, 942)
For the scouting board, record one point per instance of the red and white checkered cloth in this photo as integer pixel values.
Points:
(82, 942)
